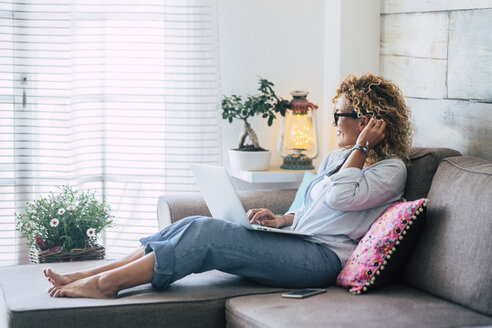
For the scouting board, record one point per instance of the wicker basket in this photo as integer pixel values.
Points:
(77, 254)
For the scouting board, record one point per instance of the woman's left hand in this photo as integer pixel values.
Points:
(265, 217)
(372, 134)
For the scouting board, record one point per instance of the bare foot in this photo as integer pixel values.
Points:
(61, 279)
(90, 287)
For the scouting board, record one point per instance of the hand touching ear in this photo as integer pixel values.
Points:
(372, 134)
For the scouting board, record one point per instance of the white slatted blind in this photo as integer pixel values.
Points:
(114, 96)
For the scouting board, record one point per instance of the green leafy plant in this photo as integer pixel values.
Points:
(266, 104)
(66, 221)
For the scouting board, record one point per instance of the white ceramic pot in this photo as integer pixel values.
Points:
(249, 160)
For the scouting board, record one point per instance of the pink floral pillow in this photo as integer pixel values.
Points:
(384, 247)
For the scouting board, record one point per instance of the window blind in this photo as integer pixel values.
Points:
(112, 96)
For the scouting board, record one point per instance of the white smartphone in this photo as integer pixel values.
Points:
(303, 293)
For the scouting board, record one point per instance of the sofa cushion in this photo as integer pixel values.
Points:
(307, 178)
(388, 306)
(423, 165)
(453, 258)
(195, 301)
(384, 247)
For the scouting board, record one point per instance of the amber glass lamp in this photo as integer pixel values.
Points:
(298, 135)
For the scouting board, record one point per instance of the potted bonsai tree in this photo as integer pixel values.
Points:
(249, 155)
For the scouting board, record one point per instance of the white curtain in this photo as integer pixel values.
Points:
(115, 96)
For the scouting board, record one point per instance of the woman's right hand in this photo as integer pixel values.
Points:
(372, 134)
(266, 218)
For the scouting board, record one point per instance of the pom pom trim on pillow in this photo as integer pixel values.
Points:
(375, 251)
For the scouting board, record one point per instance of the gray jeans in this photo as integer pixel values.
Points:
(198, 244)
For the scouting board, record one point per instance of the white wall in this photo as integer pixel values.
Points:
(279, 40)
(296, 44)
(351, 47)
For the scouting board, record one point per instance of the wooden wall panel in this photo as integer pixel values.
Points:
(410, 6)
(415, 35)
(440, 54)
(470, 55)
(462, 125)
(416, 77)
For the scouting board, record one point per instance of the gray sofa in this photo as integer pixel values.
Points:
(446, 281)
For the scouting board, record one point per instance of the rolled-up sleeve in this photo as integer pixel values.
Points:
(353, 189)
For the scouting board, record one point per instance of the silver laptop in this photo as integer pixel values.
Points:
(222, 200)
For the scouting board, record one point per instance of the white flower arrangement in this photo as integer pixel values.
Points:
(91, 232)
(69, 220)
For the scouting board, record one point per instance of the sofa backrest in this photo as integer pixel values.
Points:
(453, 258)
(423, 166)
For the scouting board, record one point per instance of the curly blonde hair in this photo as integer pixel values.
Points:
(374, 96)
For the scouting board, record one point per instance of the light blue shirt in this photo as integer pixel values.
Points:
(349, 201)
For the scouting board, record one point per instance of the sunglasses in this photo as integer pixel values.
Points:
(336, 115)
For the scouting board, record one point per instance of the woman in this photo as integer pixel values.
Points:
(354, 185)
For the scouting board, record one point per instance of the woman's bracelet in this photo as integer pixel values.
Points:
(362, 148)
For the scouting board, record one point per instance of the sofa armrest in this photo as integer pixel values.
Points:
(173, 207)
